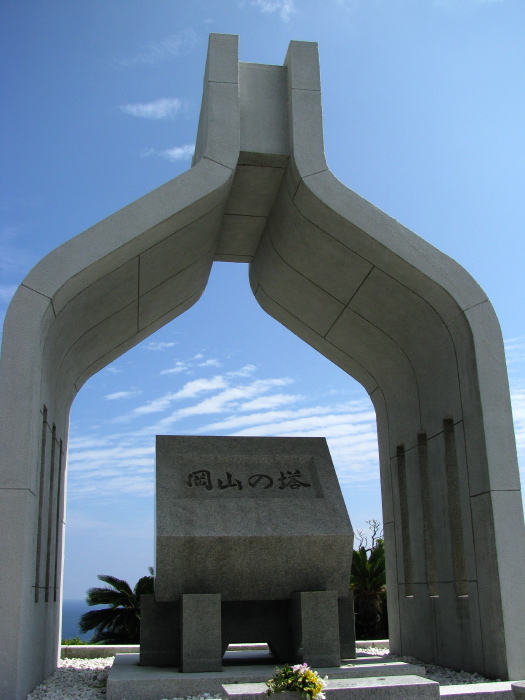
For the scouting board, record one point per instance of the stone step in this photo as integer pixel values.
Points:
(382, 688)
(129, 680)
(478, 691)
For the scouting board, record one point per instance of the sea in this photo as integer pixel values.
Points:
(71, 613)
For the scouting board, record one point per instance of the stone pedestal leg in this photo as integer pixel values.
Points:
(201, 632)
(315, 622)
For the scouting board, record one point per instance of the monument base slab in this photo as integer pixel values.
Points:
(133, 682)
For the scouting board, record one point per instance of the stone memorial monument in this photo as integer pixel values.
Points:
(385, 306)
(253, 544)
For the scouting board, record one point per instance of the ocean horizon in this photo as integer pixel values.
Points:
(72, 610)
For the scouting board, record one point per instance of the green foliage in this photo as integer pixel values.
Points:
(119, 623)
(368, 570)
(300, 678)
(368, 583)
(73, 641)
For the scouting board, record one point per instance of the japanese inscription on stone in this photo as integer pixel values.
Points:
(216, 478)
(287, 480)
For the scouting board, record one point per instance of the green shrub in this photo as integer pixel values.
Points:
(73, 642)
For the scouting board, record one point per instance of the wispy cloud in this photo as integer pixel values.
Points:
(124, 462)
(285, 8)
(158, 51)
(198, 386)
(113, 370)
(267, 402)
(123, 395)
(515, 350)
(187, 365)
(177, 368)
(153, 345)
(189, 390)
(212, 362)
(163, 108)
(172, 154)
(518, 411)
(245, 371)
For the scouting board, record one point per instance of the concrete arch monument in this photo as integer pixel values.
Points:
(389, 309)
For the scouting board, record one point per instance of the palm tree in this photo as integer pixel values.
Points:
(120, 623)
(368, 582)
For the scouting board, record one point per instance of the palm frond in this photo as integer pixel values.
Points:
(117, 583)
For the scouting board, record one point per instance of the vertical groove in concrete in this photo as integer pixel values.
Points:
(57, 519)
(43, 441)
(454, 509)
(50, 510)
(428, 529)
(405, 527)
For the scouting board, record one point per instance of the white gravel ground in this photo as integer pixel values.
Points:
(85, 679)
(444, 676)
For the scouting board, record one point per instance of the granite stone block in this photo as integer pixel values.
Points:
(231, 509)
(315, 618)
(159, 632)
(201, 648)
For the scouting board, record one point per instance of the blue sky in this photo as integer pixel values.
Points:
(424, 106)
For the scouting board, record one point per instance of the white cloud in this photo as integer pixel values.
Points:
(515, 350)
(123, 462)
(266, 402)
(155, 52)
(179, 366)
(256, 419)
(189, 390)
(209, 363)
(198, 386)
(178, 152)
(152, 345)
(245, 371)
(285, 8)
(122, 395)
(172, 154)
(113, 370)
(226, 400)
(518, 411)
(185, 366)
(163, 108)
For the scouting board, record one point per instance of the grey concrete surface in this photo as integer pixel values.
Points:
(402, 318)
(478, 691)
(390, 688)
(133, 682)
(518, 689)
(96, 651)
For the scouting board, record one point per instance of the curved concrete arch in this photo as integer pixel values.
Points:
(389, 309)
